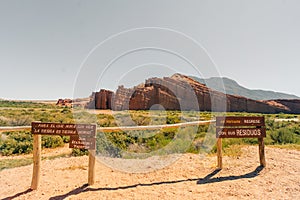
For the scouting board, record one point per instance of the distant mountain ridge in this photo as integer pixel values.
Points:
(233, 88)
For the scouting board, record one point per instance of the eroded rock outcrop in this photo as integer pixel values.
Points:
(289, 105)
(101, 100)
(64, 102)
(179, 92)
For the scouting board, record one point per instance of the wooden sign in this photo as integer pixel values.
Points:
(241, 132)
(81, 136)
(241, 127)
(255, 127)
(240, 121)
(63, 129)
(82, 142)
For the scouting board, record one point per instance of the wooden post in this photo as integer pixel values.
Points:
(261, 149)
(36, 161)
(91, 171)
(219, 152)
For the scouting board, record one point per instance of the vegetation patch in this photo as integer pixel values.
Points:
(21, 142)
(122, 144)
(12, 163)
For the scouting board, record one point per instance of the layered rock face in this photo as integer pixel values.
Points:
(180, 92)
(289, 105)
(101, 100)
(121, 98)
(167, 92)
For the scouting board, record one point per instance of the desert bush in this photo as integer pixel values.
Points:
(21, 142)
(16, 143)
(24, 120)
(173, 117)
(66, 139)
(141, 120)
(24, 104)
(105, 147)
(284, 136)
(104, 120)
(79, 152)
(52, 141)
(114, 144)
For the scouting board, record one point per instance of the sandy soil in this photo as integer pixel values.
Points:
(190, 177)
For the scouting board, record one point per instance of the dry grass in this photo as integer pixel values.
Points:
(233, 151)
(75, 167)
(286, 146)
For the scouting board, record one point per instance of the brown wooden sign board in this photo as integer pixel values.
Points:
(81, 136)
(240, 121)
(241, 127)
(240, 132)
(63, 129)
(82, 142)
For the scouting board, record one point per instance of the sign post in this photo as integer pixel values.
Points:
(261, 146)
(241, 127)
(82, 136)
(36, 161)
(219, 153)
(91, 171)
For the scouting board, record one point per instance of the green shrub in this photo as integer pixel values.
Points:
(66, 139)
(21, 142)
(16, 143)
(160, 139)
(173, 118)
(116, 143)
(52, 141)
(105, 120)
(105, 147)
(284, 136)
(24, 104)
(79, 152)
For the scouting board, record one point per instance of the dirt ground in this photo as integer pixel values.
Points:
(190, 177)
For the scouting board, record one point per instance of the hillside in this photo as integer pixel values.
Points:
(190, 177)
(233, 88)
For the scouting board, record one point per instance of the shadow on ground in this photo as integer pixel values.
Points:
(209, 179)
(18, 194)
(205, 180)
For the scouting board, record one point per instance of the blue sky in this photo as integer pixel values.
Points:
(45, 45)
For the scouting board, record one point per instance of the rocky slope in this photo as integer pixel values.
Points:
(232, 87)
(180, 92)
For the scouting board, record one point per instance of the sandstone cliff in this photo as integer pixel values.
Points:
(101, 100)
(289, 105)
(179, 92)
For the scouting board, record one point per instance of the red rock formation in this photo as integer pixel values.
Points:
(64, 102)
(120, 100)
(180, 92)
(100, 100)
(290, 105)
(103, 99)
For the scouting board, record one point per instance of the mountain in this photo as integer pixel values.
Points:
(233, 88)
(180, 92)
